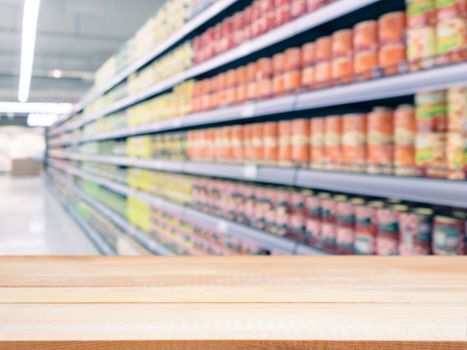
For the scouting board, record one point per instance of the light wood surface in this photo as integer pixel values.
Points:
(122, 303)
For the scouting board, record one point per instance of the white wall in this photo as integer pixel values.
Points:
(20, 142)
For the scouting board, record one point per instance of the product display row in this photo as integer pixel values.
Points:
(369, 50)
(333, 222)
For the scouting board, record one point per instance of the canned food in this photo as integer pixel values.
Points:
(421, 47)
(342, 70)
(404, 125)
(308, 54)
(333, 142)
(342, 43)
(456, 156)
(264, 88)
(298, 8)
(292, 81)
(271, 144)
(237, 143)
(420, 13)
(388, 229)
(366, 227)
(283, 13)
(278, 85)
(345, 219)
(293, 59)
(313, 5)
(365, 63)
(278, 62)
(391, 58)
(431, 112)
(318, 155)
(328, 221)
(354, 142)
(264, 69)
(285, 142)
(308, 77)
(446, 9)
(430, 154)
(365, 36)
(323, 49)
(451, 35)
(448, 235)
(391, 28)
(415, 232)
(323, 74)
(380, 141)
(457, 109)
(300, 141)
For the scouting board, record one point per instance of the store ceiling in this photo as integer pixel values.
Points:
(75, 36)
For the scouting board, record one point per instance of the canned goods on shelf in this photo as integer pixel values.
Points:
(354, 142)
(318, 155)
(421, 47)
(446, 9)
(391, 28)
(300, 141)
(342, 70)
(323, 49)
(430, 154)
(391, 57)
(456, 156)
(448, 235)
(451, 40)
(365, 36)
(323, 74)
(431, 114)
(380, 141)
(285, 142)
(308, 54)
(365, 63)
(271, 145)
(420, 13)
(332, 141)
(457, 109)
(342, 43)
(415, 231)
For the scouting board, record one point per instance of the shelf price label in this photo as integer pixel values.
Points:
(250, 171)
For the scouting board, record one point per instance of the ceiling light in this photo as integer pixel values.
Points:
(41, 120)
(57, 73)
(25, 108)
(30, 16)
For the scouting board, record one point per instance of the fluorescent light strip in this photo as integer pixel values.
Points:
(30, 17)
(25, 108)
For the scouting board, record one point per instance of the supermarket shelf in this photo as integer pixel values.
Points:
(139, 236)
(389, 87)
(212, 11)
(276, 244)
(431, 191)
(287, 31)
(99, 242)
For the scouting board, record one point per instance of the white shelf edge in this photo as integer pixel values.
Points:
(260, 237)
(289, 30)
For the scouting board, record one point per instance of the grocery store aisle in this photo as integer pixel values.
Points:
(32, 222)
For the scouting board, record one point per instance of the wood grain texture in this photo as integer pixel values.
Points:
(233, 303)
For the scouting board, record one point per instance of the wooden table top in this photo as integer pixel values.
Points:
(124, 303)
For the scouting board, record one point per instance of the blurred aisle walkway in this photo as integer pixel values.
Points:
(33, 223)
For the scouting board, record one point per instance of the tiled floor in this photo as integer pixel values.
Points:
(33, 223)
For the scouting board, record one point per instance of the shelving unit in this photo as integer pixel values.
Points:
(384, 90)
(275, 244)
